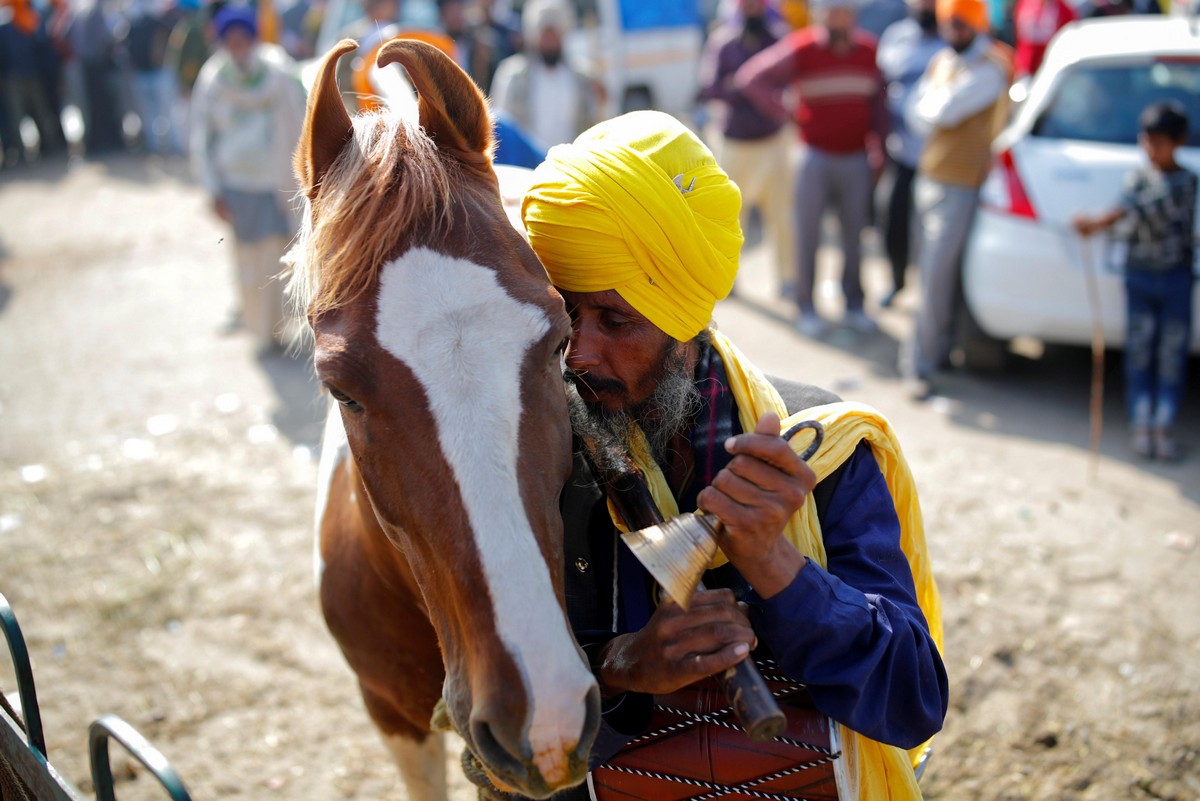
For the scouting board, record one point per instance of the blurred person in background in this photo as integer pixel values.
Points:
(755, 149)
(1158, 209)
(56, 22)
(904, 52)
(95, 46)
(960, 104)
(876, 16)
(549, 99)
(842, 118)
(1034, 24)
(26, 53)
(296, 35)
(188, 47)
(248, 109)
(377, 23)
(150, 25)
(474, 42)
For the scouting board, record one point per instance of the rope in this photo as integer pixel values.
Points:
(694, 718)
(720, 717)
(720, 789)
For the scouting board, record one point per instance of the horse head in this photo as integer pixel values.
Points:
(439, 335)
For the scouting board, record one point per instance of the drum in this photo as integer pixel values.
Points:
(696, 750)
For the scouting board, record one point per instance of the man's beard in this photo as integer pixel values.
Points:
(667, 413)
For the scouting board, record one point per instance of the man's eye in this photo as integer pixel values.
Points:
(615, 321)
(344, 399)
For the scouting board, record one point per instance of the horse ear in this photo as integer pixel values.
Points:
(451, 108)
(327, 125)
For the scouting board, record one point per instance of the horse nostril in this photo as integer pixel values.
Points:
(498, 756)
(591, 723)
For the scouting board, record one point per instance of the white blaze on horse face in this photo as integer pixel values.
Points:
(465, 338)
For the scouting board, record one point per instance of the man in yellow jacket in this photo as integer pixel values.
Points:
(823, 567)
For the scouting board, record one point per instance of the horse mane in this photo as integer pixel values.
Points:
(390, 178)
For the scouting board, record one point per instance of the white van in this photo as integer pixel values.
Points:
(646, 53)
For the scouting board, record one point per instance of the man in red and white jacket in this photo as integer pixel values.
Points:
(840, 111)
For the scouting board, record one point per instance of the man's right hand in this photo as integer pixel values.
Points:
(677, 648)
(221, 209)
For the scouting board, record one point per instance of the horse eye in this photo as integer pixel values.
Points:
(344, 399)
(558, 359)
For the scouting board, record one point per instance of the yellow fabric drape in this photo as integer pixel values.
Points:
(882, 771)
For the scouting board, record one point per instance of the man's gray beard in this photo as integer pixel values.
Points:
(666, 413)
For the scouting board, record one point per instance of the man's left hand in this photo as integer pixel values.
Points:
(754, 497)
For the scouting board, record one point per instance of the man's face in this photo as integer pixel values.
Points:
(1159, 149)
(549, 44)
(240, 45)
(383, 10)
(753, 9)
(839, 21)
(454, 20)
(957, 34)
(616, 354)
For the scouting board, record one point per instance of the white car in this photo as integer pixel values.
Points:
(1067, 150)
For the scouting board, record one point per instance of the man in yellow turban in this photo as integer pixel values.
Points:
(823, 566)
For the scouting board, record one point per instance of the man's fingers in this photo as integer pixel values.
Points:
(704, 665)
(772, 449)
(718, 597)
(768, 424)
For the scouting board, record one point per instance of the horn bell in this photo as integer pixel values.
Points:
(677, 552)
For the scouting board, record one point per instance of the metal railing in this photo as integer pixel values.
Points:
(23, 742)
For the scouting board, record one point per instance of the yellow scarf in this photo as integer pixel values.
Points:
(881, 771)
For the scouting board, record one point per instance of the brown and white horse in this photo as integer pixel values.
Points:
(437, 333)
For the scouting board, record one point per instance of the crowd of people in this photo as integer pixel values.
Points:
(827, 565)
(873, 112)
(908, 119)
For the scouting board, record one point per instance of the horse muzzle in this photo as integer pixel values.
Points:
(532, 763)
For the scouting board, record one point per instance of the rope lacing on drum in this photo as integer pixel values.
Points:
(721, 789)
(720, 717)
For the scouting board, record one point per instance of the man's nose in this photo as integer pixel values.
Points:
(581, 353)
(577, 358)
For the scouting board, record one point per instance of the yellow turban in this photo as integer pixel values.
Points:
(972, 12)
(639, 205)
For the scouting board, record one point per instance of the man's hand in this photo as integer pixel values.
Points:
(677, 648)
(754, 497)
(221, 209)
(1083, 225)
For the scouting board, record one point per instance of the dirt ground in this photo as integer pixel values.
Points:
(156, 494)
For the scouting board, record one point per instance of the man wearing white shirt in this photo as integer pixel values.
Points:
(960, 105)
(550, 101)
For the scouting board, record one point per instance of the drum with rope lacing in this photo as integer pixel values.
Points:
(695, 750)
